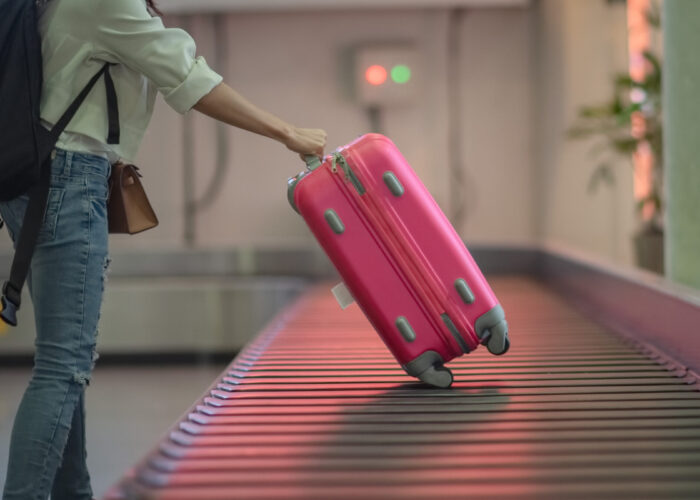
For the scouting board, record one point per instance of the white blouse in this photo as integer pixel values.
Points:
(79, 36)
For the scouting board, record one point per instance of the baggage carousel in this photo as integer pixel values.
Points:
(316, 407)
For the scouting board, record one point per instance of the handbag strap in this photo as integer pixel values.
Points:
(128, 168)
(119, 169)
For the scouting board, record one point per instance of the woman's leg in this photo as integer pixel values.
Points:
(72, 478)
(65, 284)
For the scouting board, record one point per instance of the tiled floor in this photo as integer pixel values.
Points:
(128, 410)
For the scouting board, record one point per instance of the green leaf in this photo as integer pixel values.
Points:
(624, 81)
(624, 117)
(617, 105)
(602, 173)
(653, 60)
(652, 198)
(626, 145)
(653, 15)
(599, 111)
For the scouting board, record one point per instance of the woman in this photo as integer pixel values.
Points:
(47, 449)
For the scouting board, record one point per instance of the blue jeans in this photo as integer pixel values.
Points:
(66, 283)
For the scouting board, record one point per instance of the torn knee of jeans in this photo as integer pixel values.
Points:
(105, 267)
(81, 378)
(95, 356)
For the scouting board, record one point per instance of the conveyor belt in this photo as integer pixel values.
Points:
(316, 408)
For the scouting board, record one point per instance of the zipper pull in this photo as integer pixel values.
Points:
(338, 158)
(350, 176)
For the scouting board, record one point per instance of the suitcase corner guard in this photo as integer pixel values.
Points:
(291, 186)
(429, 367)
(492, 328)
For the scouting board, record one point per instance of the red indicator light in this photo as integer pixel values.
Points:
(376, 75)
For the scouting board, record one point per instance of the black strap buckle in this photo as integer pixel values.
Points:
(11, 298)
(12, 294)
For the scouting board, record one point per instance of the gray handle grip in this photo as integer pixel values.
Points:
(312, 162)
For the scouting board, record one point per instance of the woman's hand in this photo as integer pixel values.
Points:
(306, 141)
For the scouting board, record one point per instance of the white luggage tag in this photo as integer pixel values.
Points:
(342, 295)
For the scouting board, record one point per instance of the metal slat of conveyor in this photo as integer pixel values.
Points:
(316, 408)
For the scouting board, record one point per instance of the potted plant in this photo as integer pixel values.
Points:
(630, 122)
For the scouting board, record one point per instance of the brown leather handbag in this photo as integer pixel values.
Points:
(128, 208)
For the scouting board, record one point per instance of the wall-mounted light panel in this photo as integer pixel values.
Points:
(387, 74)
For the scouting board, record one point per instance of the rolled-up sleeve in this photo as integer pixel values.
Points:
(166, 56)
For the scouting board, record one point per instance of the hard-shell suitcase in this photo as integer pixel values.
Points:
(399, 257)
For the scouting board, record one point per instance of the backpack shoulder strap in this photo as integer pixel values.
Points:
(33, 216)
(112, 107)
(38, 195)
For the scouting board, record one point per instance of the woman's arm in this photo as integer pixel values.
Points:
(127, 33)
(226, 105)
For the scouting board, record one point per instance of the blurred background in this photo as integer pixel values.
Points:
(534, 124)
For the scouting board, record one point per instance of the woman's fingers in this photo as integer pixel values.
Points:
(307, 141)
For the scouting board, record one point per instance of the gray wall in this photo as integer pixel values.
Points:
(579, 46)
(290, 64)
(524, 72)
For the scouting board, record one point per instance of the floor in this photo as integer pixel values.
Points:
(127, 410)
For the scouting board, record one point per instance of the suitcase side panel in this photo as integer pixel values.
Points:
(366, 268)
(426, 229)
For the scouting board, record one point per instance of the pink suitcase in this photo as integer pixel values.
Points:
(399, 257)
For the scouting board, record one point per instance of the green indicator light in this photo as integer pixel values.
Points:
(401, 73)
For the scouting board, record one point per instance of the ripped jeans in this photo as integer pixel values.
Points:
(66, 283)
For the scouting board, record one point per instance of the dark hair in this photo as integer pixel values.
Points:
(153, 9)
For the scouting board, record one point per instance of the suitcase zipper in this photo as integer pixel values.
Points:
(339, 159)
(369, 208)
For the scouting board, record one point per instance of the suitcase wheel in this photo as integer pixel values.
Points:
(437, 375)
(498, 344)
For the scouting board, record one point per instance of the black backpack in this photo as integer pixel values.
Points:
(25, 145)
